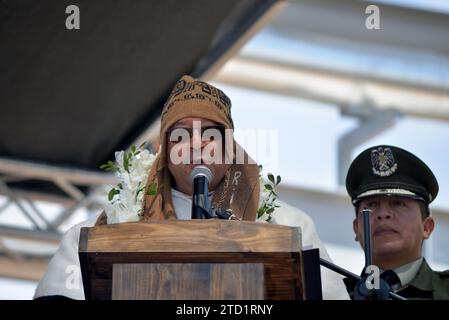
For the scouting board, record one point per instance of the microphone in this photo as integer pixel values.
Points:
(201, 207)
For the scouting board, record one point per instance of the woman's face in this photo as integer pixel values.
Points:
(192, 142)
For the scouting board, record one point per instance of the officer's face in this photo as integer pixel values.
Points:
(397, 229)
(189, 144)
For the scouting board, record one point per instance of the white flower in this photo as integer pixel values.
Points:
(268, 196)
(125, 199)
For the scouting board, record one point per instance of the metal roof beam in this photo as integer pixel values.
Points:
(34, 170)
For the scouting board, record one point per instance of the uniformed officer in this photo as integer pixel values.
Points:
(397, 187)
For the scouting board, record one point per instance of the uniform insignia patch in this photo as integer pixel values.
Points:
(383, 162)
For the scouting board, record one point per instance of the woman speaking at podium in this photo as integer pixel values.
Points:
(195, 118)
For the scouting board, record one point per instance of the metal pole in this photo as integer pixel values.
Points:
(367, 236)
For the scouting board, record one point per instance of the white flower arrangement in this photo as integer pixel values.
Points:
(267, 203)
(132, 169)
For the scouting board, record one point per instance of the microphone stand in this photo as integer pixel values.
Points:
(353, 276)
(361, 290)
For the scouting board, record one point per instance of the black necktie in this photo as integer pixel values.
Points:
(392, 279)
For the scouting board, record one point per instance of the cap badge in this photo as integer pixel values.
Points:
(383, 162)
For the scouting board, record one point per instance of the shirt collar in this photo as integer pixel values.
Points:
(408, 272)
(179, 194)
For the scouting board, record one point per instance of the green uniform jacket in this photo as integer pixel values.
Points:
(428, 284)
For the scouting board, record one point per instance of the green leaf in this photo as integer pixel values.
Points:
(139, 190)
(261, 212)
(152, 189)
(112, 193)
(126, 158)
(268, 187)
(270, 177)
(270, 210)
(109, 166)
(278, 180)
(262, 209)
(133, 149)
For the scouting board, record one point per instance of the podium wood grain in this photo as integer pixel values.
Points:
(188, 281)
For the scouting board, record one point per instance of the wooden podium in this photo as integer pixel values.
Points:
(196, 259)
